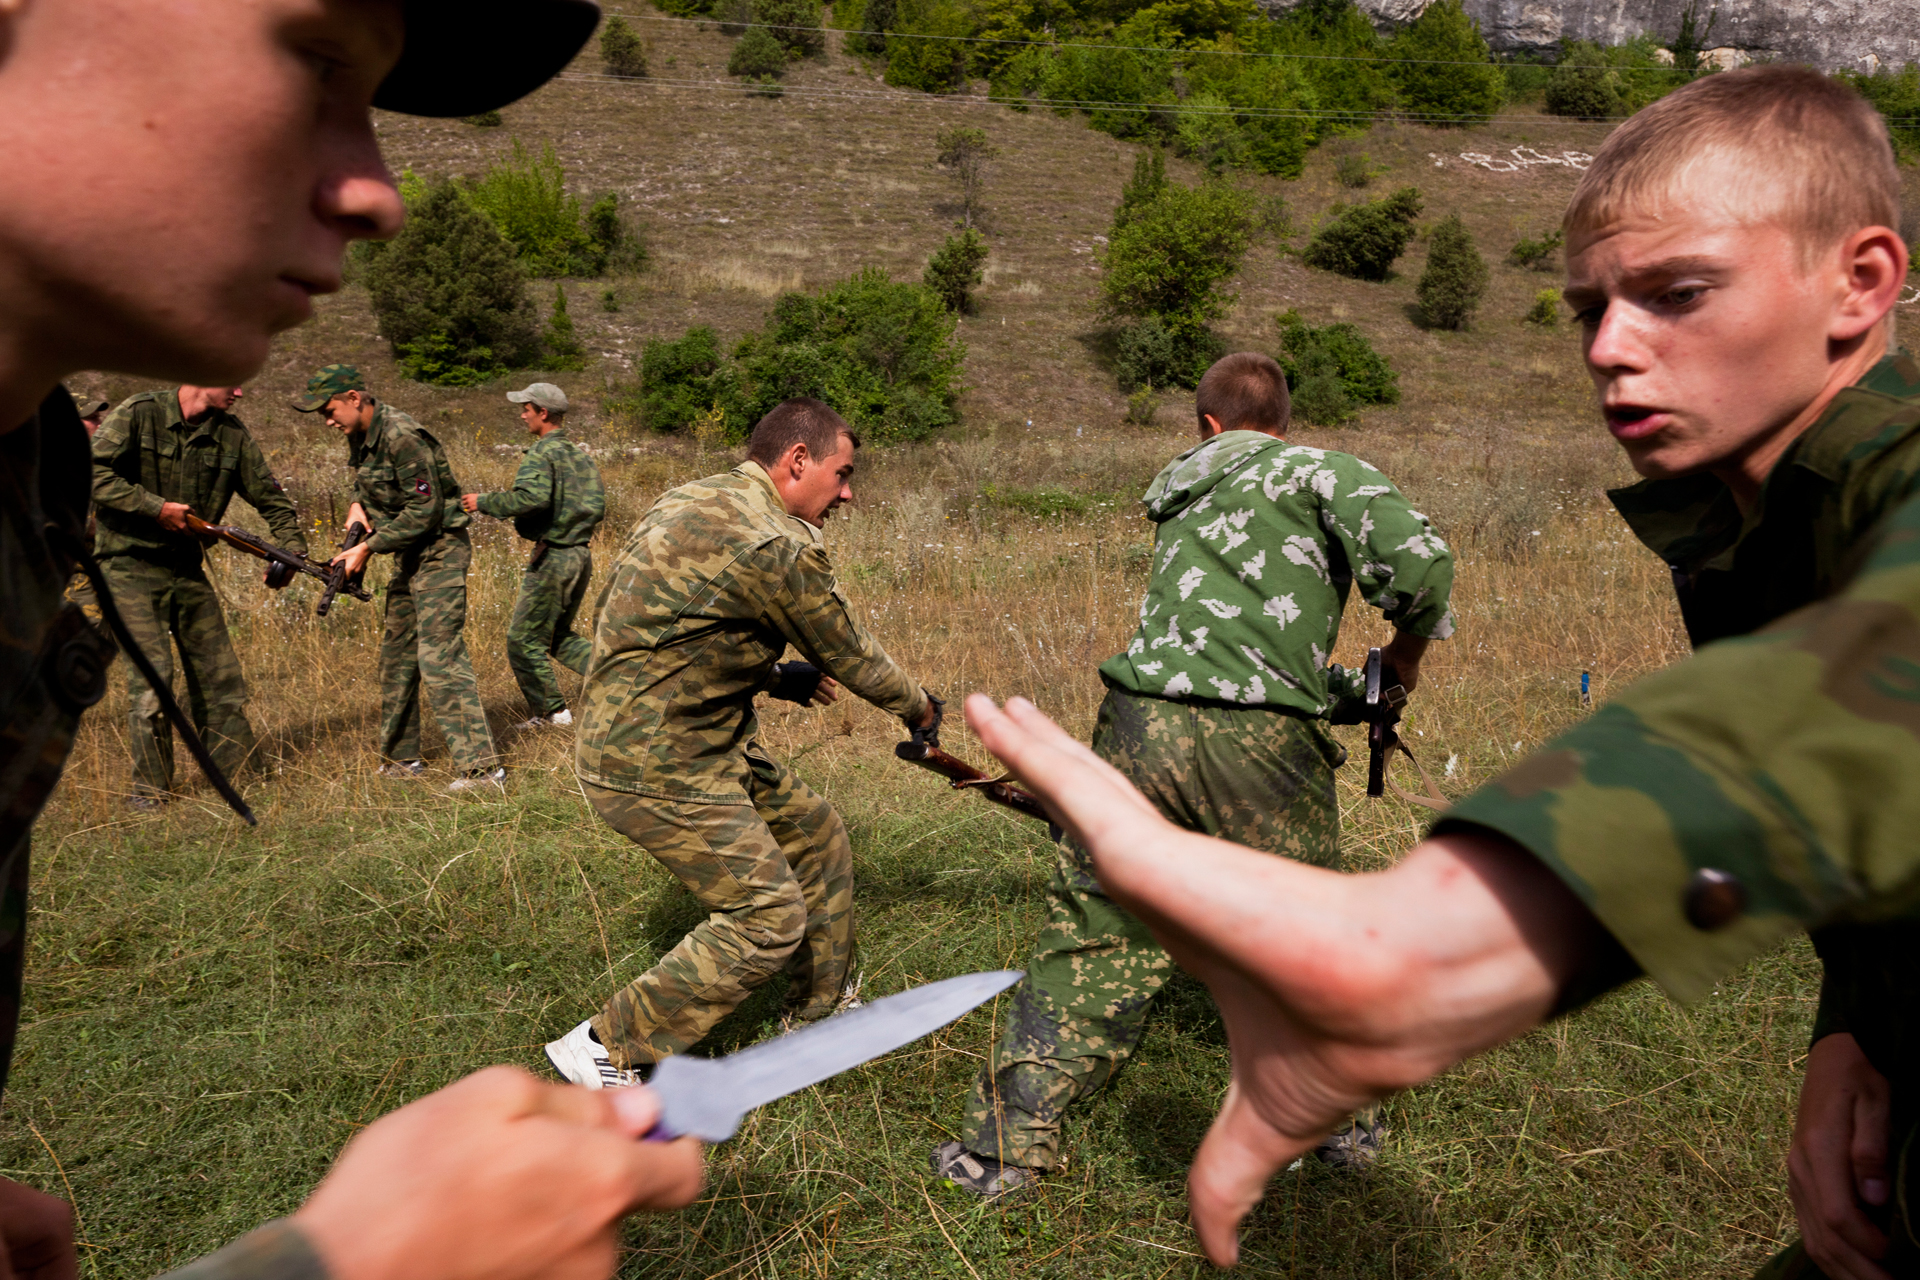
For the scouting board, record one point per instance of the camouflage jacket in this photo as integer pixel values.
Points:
(711, 587)
(145, 454)
(401, 477)
(1258, 544)
(556, 496)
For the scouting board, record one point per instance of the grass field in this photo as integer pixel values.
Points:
(211, 1011)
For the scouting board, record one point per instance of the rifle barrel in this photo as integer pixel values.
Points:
(964, 777)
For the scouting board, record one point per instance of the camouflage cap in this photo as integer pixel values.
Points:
(87, 406)
(328, 383)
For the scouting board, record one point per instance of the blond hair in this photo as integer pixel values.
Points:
(1780, 144)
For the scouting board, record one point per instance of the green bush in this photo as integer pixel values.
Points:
(1444, 70)
(933, 65)
(736, 16)
(794, 23)
(685, 8)
(1534, 253)
(1150, 353)
(485, 120)
(560, 342)
(681, 380)
(1142, 405)
(768, 87)
(955, 269)
(1456, 276)
(1896, 94)
(869, 28)
(1148, 181)
(1546, 309)
(1585, 87)
(1353, 169)
(622, 49)
(1363, 242)
(526, 197)
(1332, 370)
(620, 247)
(450, 295)
(757, 54)
(1170, 257)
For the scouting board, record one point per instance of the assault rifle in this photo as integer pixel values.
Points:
(1381, 713)
(281, 563)
(338, 579)
(964, 776)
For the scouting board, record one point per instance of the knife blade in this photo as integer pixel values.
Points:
(707, 1098)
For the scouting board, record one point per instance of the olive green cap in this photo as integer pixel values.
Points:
(328, 383)
(87, 406)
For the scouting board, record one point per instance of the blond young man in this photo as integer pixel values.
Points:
(1732, 260)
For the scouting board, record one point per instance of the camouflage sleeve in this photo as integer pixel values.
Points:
(532, 488)
(276, 1251)
(415, 476)
(115, 438)
(263, 492)
(1400, 565)
(814, 617)
(1769, 784)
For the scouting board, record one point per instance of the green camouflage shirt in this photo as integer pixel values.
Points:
(711, 587)
(556, 494)
(401, 477)
(1258, 545)
(146, 454)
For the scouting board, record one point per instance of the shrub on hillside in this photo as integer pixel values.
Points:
(1896, 94)
(955, 269)
(560, 342)
(485, 120)
(757, 54)
(867, 26)
(1534, 253)
(927, 47)
(622, 49)
(1353, 169)
(1585, 87)
(685, 8)
(1150, 354)
(1456, 276)
(450, 295)
(794, 23)
(1443, 69)
(1332, 370)
(620, 246)
(1545, 311)
(1169, 259)
(681, 380)
(526, 197)
(1148, 181)
(1363, 242)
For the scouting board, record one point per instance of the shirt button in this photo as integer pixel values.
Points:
(1714, 899)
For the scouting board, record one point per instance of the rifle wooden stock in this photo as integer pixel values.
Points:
(241, 540)
(964, 777)
(338, 579)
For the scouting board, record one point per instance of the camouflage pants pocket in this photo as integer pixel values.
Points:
(543, 615)
(775, 875)
(164, 608)
(425, 644)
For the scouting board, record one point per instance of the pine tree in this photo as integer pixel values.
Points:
(622, 49)
(955, 269)
(1455, 277)
(1444, 70)
(562, 344)
(1149, 180)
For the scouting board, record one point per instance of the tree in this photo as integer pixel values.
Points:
(1169, 258)
(527, 198)
(927, 47)
(1455, 277)
(1443, 69)
(622, 49)
(1148, 181)
(758, 54)
(450, 293)
(561, 343)
(1332, 370)
(794, 23)
(681, 380)
(870, 29)
(955, 269)
(966, 153)
(1585, 86)
(1363, 242)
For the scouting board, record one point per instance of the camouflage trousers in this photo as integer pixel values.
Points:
(425, 643)
(1254, 776)
(776, 876)
(167, 604)
(550, 594)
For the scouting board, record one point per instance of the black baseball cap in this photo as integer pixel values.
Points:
(463, 57)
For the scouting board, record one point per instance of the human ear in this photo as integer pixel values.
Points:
(1873, 265)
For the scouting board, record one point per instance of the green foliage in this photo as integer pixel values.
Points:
(1153, 353)
(621, 247)
(794, 23)
(869, 27)
(965, 152)
(527, 199)
(736, 16)
(1545, 311)
(1353, 169)
(1047, 502)
(922, 52)
(1332, 370)
(1272, 217)
(485, 120)
(757, 54)
(1170, 257)
(955, 269)
(450, 294)
(1363, 242)
(561, 343)
(1534, 253)
(768, 87)
(685, 8)
(1692, 38)
(1896, 95)
(1456, 276)
(1148, 181)
(1142, 405)
(609, 300)
(680, 380)
(622, 49)
(1596, 83)
(1443, 69)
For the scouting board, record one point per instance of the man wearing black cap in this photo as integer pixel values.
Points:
(171, 235)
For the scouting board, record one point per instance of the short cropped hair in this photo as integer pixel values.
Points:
(1807, 153)
(1245, 391)
(802, 420)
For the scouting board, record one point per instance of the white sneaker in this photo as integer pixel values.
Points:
(495, 778)
(561, 718)
(532, 722)
(402, 769)
(582, 1060)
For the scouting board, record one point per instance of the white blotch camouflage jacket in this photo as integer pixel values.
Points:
(1258, 546)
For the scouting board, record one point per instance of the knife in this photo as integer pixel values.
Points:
(706, 1098)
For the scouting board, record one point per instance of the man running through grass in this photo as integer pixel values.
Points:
(1217, 711)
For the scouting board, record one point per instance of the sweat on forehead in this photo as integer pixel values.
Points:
(1775, 144)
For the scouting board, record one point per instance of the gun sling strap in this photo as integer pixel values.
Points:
(1433, 799)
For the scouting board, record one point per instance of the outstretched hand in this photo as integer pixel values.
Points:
(1335, 989)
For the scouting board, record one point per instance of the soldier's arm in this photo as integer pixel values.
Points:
(421, 517)
(263, 493)
(532, 488)
(1400, 565)
(808, 609)
(111, 443)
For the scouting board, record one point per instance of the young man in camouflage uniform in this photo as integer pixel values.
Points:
(159, 457)
(556, 503)
(716, 581)
(275, 162)
(1732, 257)
(405, 493)
(1217, 711)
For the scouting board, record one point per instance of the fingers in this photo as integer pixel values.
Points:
(827, 692)
(1229, 1175)
(1872, 1115)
